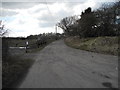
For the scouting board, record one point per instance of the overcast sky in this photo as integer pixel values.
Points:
(24, 18)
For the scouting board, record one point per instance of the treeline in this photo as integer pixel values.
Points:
(45, 38)
(48, 35)
(102, 22)
(34, 41)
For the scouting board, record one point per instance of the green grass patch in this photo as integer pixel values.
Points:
(41, 47)
(13, 69)
(36, 49)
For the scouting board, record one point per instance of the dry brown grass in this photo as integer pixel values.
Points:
(106, 45)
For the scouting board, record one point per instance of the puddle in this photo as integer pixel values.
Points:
(107, 84)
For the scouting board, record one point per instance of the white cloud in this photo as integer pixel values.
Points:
(34, 20)
(41, 17)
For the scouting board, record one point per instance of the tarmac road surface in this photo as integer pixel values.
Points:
(59, 66)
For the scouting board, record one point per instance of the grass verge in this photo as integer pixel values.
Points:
(105, 45)
(13, 69)
(33, 50)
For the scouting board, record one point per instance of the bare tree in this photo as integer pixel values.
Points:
(5, 47)
(66, 23)
(3, 30)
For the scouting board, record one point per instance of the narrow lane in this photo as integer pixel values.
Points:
(59, 66)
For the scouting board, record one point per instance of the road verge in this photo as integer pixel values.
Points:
(105, 45)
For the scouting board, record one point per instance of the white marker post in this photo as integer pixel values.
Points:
(26, 46)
